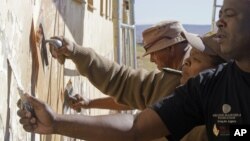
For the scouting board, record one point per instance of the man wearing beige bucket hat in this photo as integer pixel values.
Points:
(165, 44)
(166, 47)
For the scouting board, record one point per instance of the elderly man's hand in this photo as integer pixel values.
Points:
(63, 52)
(81, 102)
(42, 122)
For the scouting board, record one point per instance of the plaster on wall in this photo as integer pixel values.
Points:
(64, 18)
(1, 129)
(3, 72)
(13, 32)
(3, 65)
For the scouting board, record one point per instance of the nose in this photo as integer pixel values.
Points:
(220, 23)
(152, 58)
(186, 64)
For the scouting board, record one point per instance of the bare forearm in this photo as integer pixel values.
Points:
(112, 127)
(107, 103)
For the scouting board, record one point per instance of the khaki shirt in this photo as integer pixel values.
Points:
(136, 88)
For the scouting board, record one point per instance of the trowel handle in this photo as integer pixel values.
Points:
(54, 42)
(28, 107)
(24, 103)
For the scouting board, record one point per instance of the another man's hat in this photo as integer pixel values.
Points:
(206, 44)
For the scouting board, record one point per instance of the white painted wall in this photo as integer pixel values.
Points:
(75, 22)
(58, 17)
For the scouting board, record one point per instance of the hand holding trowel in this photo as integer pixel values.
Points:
(60, 48)
(56, 44)
(69, 99)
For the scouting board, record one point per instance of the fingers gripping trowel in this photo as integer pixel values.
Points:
(25, 105)
(56, 43)
(68, 98)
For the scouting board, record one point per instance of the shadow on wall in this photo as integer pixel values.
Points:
(72, 12)
(7, 125)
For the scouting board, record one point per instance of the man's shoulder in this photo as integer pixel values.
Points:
(219, 70)
(171, 71)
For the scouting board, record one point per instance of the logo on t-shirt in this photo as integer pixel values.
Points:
(226, 108)
(223, 119)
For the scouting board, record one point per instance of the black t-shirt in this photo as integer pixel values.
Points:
(216, 98)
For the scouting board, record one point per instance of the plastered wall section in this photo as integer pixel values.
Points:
(97, 33)
(12, 29)
(22, 57)
(3, 74)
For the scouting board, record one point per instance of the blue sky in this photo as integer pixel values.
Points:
(186, 11)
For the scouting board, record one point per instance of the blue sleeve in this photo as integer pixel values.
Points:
(182, 110)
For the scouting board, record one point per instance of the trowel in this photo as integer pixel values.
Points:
(54, 42)
(24, 103)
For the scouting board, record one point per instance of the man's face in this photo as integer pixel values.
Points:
(162, 58)
(170, 57)
(194, 64)
(234, 28)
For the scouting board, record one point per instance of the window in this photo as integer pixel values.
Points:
(106, 8)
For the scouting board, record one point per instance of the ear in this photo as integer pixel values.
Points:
(172, 49)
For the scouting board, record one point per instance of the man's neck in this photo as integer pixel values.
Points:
(244, 65)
